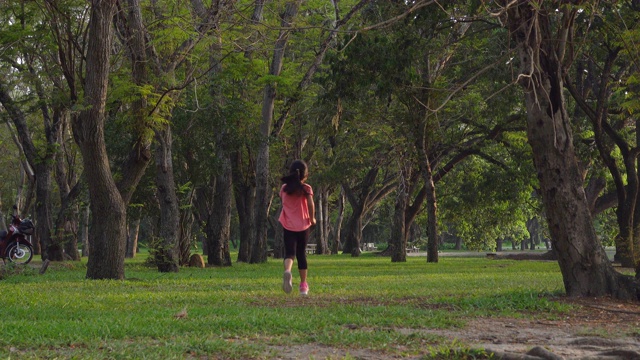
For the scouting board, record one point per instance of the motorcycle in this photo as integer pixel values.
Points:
(14, 244)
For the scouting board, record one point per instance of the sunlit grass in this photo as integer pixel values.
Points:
(241, 311)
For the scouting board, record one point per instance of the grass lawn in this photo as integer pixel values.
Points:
(241, 312)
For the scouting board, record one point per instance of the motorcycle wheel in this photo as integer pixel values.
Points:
(20, 253)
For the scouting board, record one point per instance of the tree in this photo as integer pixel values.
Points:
(108, 229)
(263, 193)
(601, 83)
(543, 37)
(41, 59)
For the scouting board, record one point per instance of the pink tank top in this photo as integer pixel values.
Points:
(295, 210)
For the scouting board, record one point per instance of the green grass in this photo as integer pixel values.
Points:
(241, 312)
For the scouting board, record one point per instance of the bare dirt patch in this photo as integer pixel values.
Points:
(600, 328)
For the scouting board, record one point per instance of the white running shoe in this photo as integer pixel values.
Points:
(286, 282)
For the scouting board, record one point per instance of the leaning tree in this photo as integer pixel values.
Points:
(542, 32)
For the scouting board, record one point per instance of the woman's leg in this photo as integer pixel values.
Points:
(301, 256)
(289, 238)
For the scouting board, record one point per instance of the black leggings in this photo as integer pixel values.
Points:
(295, 245)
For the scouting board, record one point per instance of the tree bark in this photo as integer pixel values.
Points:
(108, 230)
(185, 234)
(432, 213)
(263, 188)
(245, 196)
(337, 228)
(132, 238)
(426, 171)
(67, 220)
(586, 271)
(398, 241)
(84, 230)
(219, 223)
(167, 254)
(278, 239)
(353, 234)
(323, 221)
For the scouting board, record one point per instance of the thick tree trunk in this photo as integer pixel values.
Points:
(624, 238)
(108, 231)
(584, 265)
(167, 254)
(353, 234)
(50, 250)
(245, 204)
(245, 196)
(626, 186)
(219, 223)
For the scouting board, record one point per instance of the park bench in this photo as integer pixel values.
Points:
(311, 248)
(368, 247)
(412, 249)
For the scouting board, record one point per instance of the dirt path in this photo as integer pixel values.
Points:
(600, 329)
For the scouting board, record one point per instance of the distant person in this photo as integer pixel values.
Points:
(297, 217)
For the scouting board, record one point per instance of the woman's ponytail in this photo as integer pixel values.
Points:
(293, 181)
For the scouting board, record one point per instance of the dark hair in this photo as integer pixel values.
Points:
(293, 181)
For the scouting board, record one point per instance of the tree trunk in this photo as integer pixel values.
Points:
(132, 238)
(67, 218)
(245, 205)
(432, 210)
(167, 254)
(626, 184)
(263, 193)
(42, 172)
(245, 196)
(398, 241)
(353, 234)
(84, 226)
(278, 239)
(583, 262)
(219, 223)
(139, 155)
(70, 231)
(50, 250)
(323, 221)
(338, 225)
(108, 230)
(185, 236)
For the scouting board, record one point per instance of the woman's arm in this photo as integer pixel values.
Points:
(312, 209)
